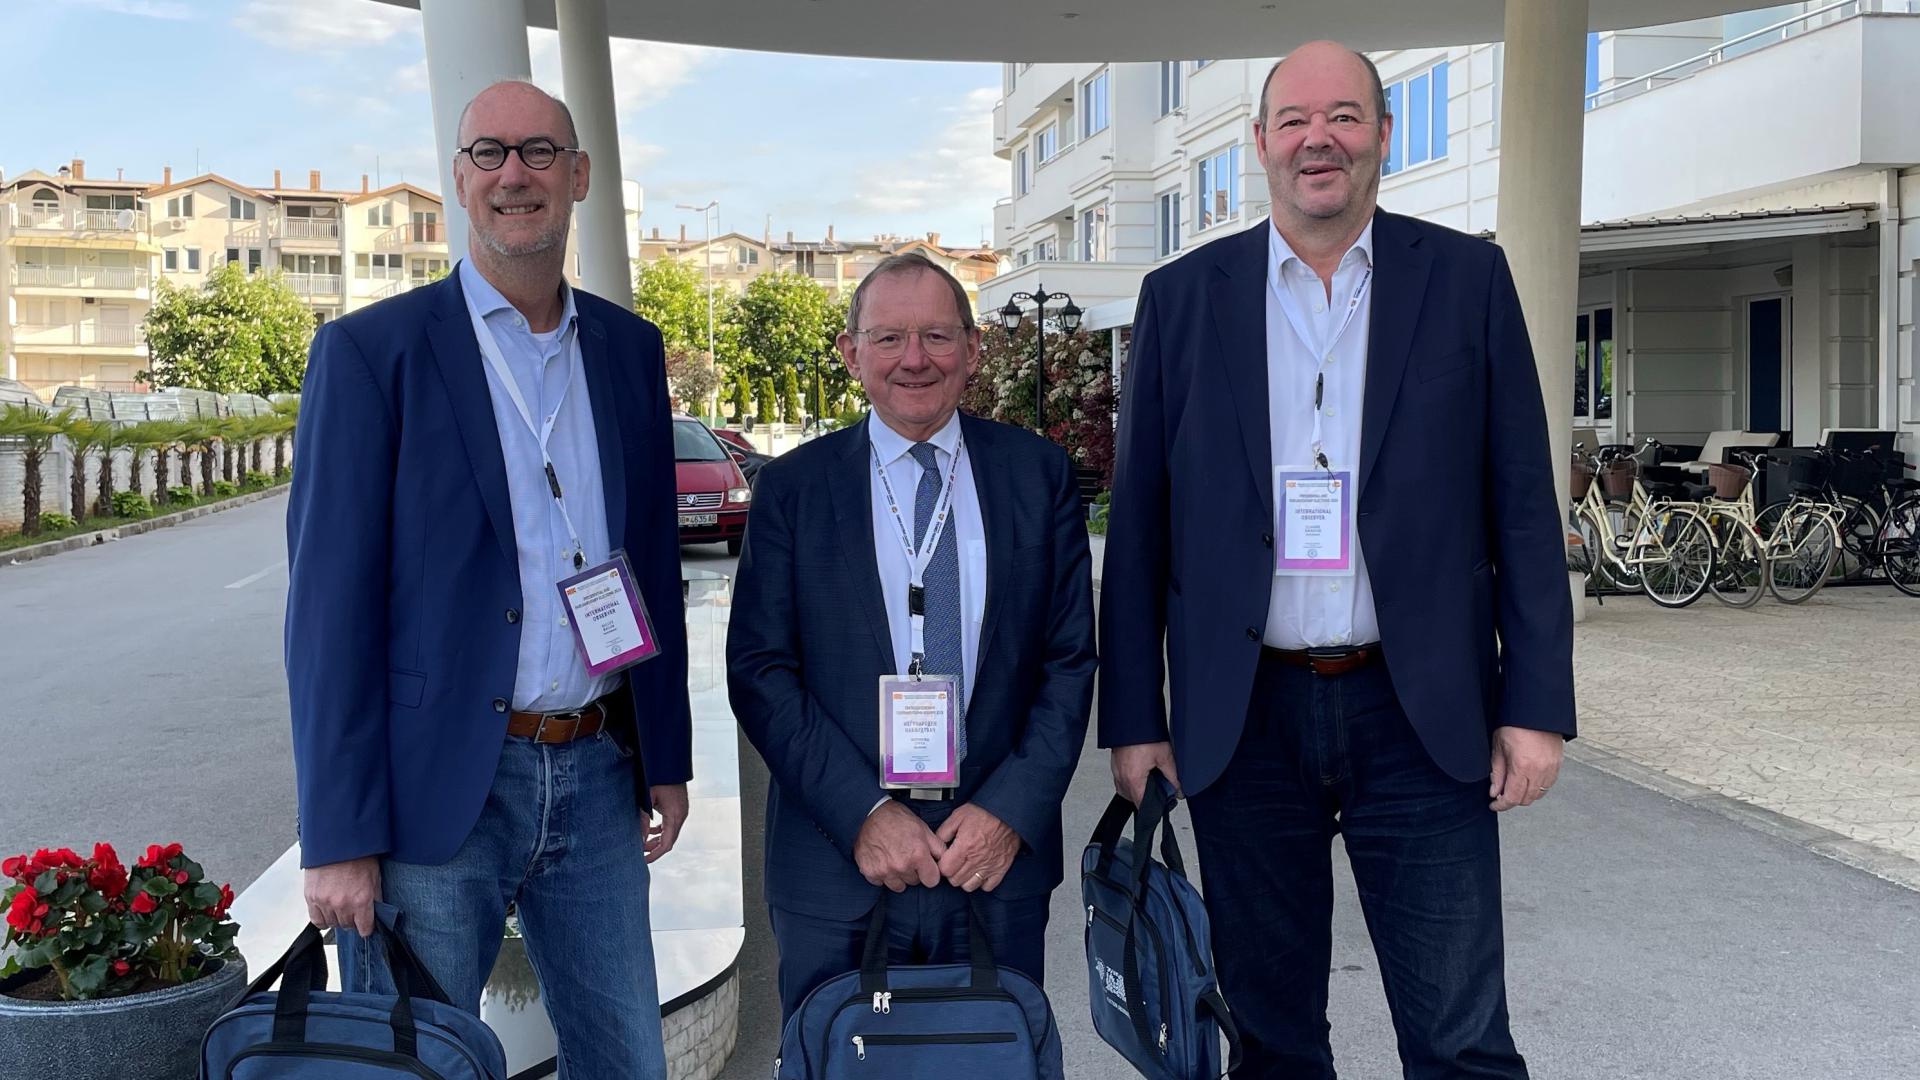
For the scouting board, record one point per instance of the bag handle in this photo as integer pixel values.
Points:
(1217, 1005)
(1156, 805)
(873, 958)
(305, 969)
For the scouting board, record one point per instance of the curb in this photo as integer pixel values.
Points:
(1824, 842)
(101, 536)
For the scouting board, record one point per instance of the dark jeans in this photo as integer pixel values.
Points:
(1327, 754)
(924, 926)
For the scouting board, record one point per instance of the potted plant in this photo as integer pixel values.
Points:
(110, 970)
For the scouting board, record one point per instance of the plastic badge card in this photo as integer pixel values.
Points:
(1315, 508)
(917, 722)
(608, 617)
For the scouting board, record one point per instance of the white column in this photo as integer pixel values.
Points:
(1888, 388)
(1542, 129)
(471, 44)
(586, 71)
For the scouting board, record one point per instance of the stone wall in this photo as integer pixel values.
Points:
(700, 1034)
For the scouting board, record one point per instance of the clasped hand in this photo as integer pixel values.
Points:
(971, 850)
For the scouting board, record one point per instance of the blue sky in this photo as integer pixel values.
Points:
(243, 87)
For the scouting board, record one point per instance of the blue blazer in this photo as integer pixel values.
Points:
(1456, 506)
(808, 642)
(403, 623)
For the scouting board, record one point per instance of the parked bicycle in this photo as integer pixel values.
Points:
(1653, 538)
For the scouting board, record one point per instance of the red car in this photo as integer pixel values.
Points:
(712, 494)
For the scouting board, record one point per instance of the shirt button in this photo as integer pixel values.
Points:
(554, 685)
(1329, 412)
(1267, 539)
(1252, 634)
(1335, 587)
(513, 616)
(499, 704)
(563, 620)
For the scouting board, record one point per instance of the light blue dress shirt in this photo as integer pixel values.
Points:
(550, 676)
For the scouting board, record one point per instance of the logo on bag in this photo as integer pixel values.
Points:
(1115, 986)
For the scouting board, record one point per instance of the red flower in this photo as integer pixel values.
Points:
(143, 902)
(121, 967)
(179, 877)
(154, 857)
(111, 881)
(104, 855)
(26, 911)
(13, 866)
(226, 901)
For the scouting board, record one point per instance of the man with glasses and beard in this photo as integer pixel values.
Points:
(477, 457)
(920, 556)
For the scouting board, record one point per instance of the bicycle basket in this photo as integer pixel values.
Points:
(1858, 477)
(1728, 480)
(1582, 479)
(1616, 478)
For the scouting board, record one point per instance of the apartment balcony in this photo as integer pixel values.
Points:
(109, 281)
(299, 232)
(1003, 222)
(127, 229)
(307, 285)
(1827, 77)
(422, 238)
(1002, 135)
(81, 337)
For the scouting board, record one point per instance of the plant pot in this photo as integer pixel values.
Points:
(156, 1034)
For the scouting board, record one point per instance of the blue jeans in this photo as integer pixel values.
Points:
(1335, 754)
(561, 838)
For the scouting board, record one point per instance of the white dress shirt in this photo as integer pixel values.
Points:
(1305, 340)
(969, 529)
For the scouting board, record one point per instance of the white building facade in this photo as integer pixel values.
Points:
(1750, 204)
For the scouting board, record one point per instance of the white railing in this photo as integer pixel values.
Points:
(313, 284)
(80, 220)
(1734, 48)
(300, 228)
(81, 277)
(85, 333)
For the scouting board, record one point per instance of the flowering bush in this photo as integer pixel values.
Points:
(1080, 389)
(101, 929)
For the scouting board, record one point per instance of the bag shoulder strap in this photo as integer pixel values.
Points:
(1217, 1005)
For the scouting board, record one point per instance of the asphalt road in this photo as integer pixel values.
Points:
(141, 700)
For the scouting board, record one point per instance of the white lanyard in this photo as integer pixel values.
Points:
(1319, 377)
(918, 561)
(490, 349)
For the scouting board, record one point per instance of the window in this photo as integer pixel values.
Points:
(1419, 108)
(1007, 78)
(1499, 77)
(1170, 86)
(1593, 365)
(233, 255)
(1093, 234)
(193, 260)
(381, 216)
(180, 206)
(1046, 143)
(1593, 66)
(377, 267)
(1025, 256)
(746, 256)
(426, 227)
(425, 270)
(1198, 64)
(170, 259)
(240, 209)
(1168, 225)
(1022, 176)
(1218, 188)
(46, 201)
(803, 262)
(111, 202)
(1046, 250)
(253, 260)
(1093, 105)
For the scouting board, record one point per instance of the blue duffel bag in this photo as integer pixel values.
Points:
(307, 1031)
(922, 1022)
(1150, 977)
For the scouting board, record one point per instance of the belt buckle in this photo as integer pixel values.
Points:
(540, 730)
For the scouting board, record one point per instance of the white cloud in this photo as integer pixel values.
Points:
(412, 79)
(152, 9)
(644, 72)
(954, 173)
(324, 25)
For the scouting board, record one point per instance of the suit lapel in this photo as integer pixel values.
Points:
(606, 429)
(458, 355)
(852, 496)
(992, 488)
(1238, 296)
(1399, 286)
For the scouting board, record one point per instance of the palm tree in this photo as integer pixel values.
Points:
(202, 435)
(155, 435)
(109, 437)
(83, 437)
(287, 412)
(36, 429)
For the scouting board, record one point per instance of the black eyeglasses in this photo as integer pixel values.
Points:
(536, 153)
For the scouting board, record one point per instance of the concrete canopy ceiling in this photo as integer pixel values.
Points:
(1085, 30)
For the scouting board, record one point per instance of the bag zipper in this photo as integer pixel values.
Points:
(861, 1042)
(1186, 928)
(386, 1058)
(1159, 951)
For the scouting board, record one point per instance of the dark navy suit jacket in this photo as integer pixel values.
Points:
(403, 625)
(1457, 514)
(808, 642)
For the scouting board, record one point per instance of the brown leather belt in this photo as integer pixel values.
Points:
(558, 727)
(1325, 661)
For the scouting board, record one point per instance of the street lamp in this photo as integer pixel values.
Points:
(707, 214)
(1069, 316)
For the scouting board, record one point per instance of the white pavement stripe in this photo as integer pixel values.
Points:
(251, 578)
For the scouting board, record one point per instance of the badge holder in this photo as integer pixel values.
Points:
(1316, 535)
(609, 618)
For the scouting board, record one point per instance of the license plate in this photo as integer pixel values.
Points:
(689, 520)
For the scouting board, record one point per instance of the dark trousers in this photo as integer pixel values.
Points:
(924, 926)
(1335, 754)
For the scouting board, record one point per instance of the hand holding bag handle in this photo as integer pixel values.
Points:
(1156, 806)
(873, 959)
(305, 967)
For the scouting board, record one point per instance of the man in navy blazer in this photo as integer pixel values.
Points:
(462, 449)
(1400, 694)
(821, 613)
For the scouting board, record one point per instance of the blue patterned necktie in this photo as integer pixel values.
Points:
(942, 585)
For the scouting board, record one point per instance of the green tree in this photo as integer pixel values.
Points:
(287, 411)
(154, 435)
(741, 396)
(236, 334)
(790, 411)
(691, 377)
(36, 429)
(785, 321)
(86, 437)
(672, 295)
(768, 402)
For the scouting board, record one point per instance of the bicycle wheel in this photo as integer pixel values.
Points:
(1859, 531)
(1801, 553)
(1580, 556)
(1899, 546)
(1768, 519)
(1623, 519)
(1674, 549)
(1739, 562)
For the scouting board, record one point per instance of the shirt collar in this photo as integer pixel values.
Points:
(489, 301)
(892, 446)
(1281, 252)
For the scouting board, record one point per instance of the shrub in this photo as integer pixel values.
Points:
(225, 489)
(179, 494)
(131, 504)
(254, 481)
(55, 521)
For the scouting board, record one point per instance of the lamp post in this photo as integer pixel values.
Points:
(1069, 316)
(707, 214)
